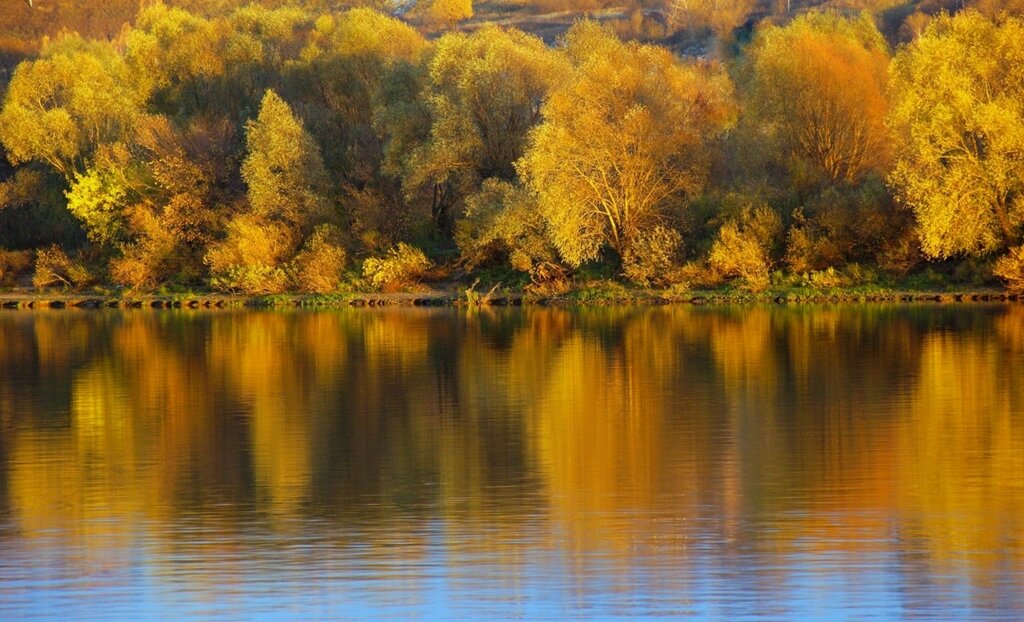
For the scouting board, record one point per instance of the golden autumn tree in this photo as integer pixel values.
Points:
(60, 108)
(169, 50)
(484, 93)
(337, 82)
(820, 82)
(287, 188)
(344, 84)
(624, 140)
(447, 13)
(959, 108)
(284, 171)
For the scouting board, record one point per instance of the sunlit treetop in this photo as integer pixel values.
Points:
(365, 32)
(59, 108)
(820, 83)
(485, 92)
(169, 46)
(959, 105)
(283, 170)
(625, 137)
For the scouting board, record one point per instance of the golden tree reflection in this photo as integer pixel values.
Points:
(628, 434)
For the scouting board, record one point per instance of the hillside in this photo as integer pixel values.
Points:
(687, 26)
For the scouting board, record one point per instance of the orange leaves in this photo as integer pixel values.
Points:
(821, 82)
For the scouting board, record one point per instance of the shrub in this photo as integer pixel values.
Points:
(976, 272)
(502, 221)
(744, 247)
(809, 249)
(548, 279)
(650, 257)
(1010, 268)
(697, 274)
(251, 259)
(54, 267)
(378, 217)
(256, 280)
(12, 265)
(154, 257)
(318, 268)
(133, 269)
(825, 279)
(899, 255)
(402, 266)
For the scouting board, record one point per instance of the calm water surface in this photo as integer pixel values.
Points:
(750, 464)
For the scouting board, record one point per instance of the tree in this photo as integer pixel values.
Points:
(100, 196)
(343, 85)
(171, 51)
(183, 181)
(283, 171)
(287, 192)
(820, 83)
(502, 222)
(448, 12)
(625, 138)
(61, 107)
(336, 85)
(484, 93)
(959, 109)
(155, 204)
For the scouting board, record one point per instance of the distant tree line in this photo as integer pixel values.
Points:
(261, 150)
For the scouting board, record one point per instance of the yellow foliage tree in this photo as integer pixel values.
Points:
(337, 82)
(60, 108)
(169, 48)
(484, 93)
(284, 171)
(624, 139)
(449, 12)
(820, 82)
(959, 108)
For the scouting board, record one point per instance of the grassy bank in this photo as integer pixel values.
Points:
(592, 294)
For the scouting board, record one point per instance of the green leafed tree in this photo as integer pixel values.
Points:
(959, 109)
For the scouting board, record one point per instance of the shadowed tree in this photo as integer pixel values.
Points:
(336, 85)
(484, 93)
(720, 16)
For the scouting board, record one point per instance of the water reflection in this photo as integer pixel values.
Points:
(730, 463)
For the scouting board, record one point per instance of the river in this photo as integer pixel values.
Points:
(760, 463)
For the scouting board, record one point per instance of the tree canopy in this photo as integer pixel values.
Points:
(959, 105)
(625, 138)
(310, 145)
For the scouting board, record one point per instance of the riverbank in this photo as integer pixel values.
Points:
(33, 300)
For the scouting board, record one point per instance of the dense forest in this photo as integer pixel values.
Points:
(320, 147)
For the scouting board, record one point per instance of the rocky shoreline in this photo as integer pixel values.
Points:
(37, 301)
